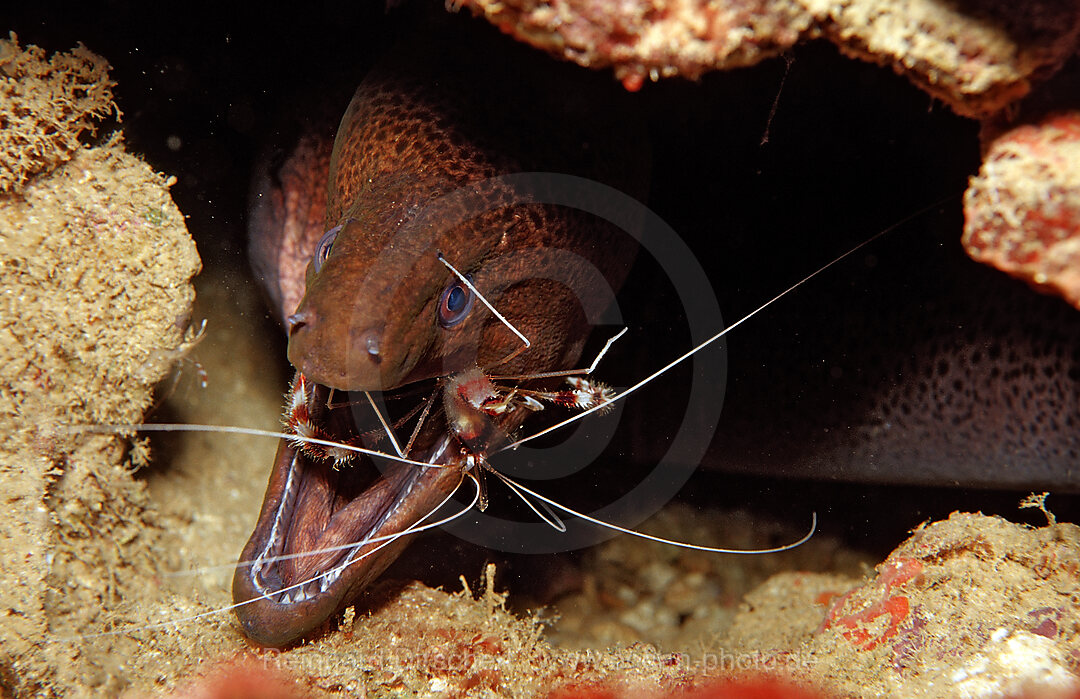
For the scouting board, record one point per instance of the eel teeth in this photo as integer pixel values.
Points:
(298, 595)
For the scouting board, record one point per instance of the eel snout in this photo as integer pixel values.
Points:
(311, 550)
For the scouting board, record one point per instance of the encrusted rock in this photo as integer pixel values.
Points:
(46, 106)
(977, 57)
(95, 291)
(968, 606)
(1022, 211)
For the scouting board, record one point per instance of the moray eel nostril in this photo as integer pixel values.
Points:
(296, 321)
(369, 342)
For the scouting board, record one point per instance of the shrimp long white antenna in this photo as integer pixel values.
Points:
(385, 424)
(231, 429)
(385, 539)
(548, 515)
(607, 346)
(568, 372)
(518, 488)
(465, 280)
(690, 353)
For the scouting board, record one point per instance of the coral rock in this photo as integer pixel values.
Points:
(1022, 211)
(975, 58)
(46, 106)
(95, 267)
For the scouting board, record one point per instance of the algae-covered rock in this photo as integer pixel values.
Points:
(46, 106)
(95, 291)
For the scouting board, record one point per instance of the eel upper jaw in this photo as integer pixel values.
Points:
(344, 356)
(285, 598)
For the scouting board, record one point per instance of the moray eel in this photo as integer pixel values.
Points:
(413, 179)
(975, 382)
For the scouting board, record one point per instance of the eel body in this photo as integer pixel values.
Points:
(929, 369)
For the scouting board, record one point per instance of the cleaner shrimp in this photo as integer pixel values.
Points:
(480, 394)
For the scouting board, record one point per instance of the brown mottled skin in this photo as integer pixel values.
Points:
(390, 202)
(408, 180)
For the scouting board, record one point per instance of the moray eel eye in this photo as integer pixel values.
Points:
(325, 245)
(455, 304)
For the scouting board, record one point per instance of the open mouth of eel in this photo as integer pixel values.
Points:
(328, 528)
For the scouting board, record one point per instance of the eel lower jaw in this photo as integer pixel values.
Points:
(312, 549)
